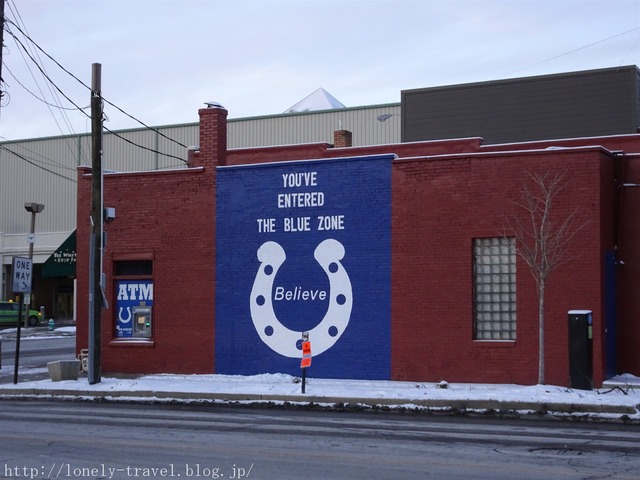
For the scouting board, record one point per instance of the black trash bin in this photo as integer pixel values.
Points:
(580, 349)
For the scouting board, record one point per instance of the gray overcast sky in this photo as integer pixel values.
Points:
(162, 59)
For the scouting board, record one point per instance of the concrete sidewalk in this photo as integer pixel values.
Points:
(617, 401)
(466, 406)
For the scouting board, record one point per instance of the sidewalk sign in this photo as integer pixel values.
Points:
(305, 362)
(306, 355)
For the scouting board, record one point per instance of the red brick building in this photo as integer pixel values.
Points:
(444, 205)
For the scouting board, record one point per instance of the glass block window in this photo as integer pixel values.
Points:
(494, 288)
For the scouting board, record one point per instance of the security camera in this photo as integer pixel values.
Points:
(109, 214)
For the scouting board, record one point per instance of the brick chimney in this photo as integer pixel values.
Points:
(213, 137)
(342, 138)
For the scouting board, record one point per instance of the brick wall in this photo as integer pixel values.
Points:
(628, 228)
(444, 194)
(168, 217)
(440, 203)
(439, 206)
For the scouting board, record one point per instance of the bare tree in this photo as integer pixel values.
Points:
(541, 238)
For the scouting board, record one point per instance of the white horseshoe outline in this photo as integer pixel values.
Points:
(122, 320)
(284, 340)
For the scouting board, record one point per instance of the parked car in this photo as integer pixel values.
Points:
(9, 314)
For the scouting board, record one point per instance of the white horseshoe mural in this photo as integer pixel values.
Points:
(324, 335)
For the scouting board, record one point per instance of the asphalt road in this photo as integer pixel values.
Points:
(35, 353)
(47, 439)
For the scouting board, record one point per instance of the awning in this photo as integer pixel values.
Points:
(62, 262)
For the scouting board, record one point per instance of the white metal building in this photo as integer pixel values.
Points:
(43, 170)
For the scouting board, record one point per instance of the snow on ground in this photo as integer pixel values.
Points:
(623, 390)
(30, 333)
(287, 386)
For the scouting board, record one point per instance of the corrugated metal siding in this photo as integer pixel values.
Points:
(187, 135)
(46, 170)
(43, 172)
(578, 104)
(311, 127)
(136, 150)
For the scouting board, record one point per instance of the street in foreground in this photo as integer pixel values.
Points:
(49, 439)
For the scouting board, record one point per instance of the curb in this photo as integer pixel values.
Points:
(498, 406)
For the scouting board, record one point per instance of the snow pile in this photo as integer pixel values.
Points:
(619, 396)
(287, 387)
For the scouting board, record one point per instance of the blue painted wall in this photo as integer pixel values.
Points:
(304, 246)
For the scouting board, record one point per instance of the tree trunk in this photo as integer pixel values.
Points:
(541, 331)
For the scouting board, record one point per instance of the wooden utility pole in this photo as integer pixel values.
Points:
(1, 44)
(95, 254)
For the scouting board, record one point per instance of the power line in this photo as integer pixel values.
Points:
(86, 114)
(571, 51)
(54, 96)
(144, 124)
(88, 88)
(22, 157)
(19, 43)
(60, 107)
(44, 160)
(44, 74)
(142, 146)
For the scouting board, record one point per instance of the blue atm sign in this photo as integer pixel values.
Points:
(129, 294)
(304, 247)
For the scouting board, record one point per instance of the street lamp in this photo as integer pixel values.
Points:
(34, 208)
(386, 116)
